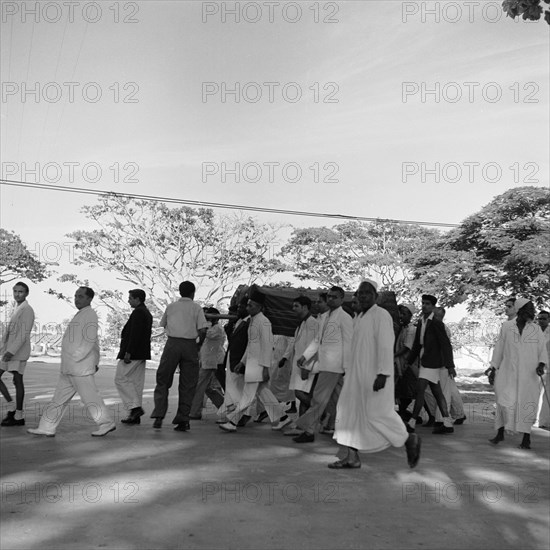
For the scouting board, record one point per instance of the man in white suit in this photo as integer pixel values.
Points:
(14, 353)
(256, 362)
(79, 363)
(332, 347)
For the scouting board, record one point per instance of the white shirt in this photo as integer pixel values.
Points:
(80, 344)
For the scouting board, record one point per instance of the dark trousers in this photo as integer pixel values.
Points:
(180, 352)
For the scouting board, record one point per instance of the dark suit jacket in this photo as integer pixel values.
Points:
(438, 351)
(136, 335)
(237, 340)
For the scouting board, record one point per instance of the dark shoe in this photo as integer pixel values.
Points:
(437, 424)
(443, 430)
(157, 424)
(413, 450)
(195, 417)
(9, 420)
(419, 421)
(261, 417)
(182, 427)
(20, 422)
(304, 438)
(459, 421)
(430, 423)
(245, 419)
(496, 440)
(131, 420)
(340, 464)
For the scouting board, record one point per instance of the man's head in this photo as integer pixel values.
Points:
(509, 308)
(320, 304)
(428, 304)
(543, 319)
(335, 297)
(187, 289)
(301, 306)
(439, 313)
(83, 297)
(255, 303)
(367, 293)
(355, 305)
(212, 311)
(525, 309)
(406, 311)
(20, 292)
(242, 311)
(136, 297)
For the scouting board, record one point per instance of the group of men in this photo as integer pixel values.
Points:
(346, 373)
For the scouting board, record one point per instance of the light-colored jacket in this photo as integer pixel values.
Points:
(17, 338)
(259, 350)
(212, 352)
(333, 343)
(80, 345)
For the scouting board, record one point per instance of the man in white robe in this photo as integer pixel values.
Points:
(519, 358)
(366, 419)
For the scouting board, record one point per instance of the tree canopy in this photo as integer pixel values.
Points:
(16, 261)
(528, 9)
(348, 253)
(502, 250)
(155, 247)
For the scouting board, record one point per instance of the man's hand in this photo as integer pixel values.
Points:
(301, 360)
(304, 374)
(7, 356)
(265, 374)
(127, 358)
(540, 369)
(239, 368)
(282, 362)
(452, 372)
(379, 383)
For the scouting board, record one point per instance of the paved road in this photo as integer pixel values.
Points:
(140, 488)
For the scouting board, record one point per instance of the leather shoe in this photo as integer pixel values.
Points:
(182, 427)
(304, 438)
(459, 421)
(157, 424)
(38, 431)
(104, 430)
(413, 446)
(9, 420)
(340, 464)
(443, 430)
(245, 418)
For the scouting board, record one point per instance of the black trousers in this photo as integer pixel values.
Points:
(180, 352)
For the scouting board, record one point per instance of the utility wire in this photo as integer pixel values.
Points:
(202, 204)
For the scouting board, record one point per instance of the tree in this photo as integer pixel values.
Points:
(152, 246)
(347, 253)
(16, 261)
(528, 9)
(500, 251)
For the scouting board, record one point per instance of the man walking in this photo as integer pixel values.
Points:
(366, 419)
(14, 353)
(333, 347)
(79, 363)
(256, 362)
(135, 349)
(183, 322)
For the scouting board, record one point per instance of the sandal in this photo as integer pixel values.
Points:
(339, 464)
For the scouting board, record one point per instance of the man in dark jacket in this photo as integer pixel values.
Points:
(135, 349)
(433, 346)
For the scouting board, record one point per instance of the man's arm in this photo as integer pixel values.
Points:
(85, 335)
(22, 333)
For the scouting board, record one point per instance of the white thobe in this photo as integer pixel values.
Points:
(517, 385)
(365, 419)
(304, 335)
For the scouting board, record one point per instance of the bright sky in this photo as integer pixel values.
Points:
(363, 123)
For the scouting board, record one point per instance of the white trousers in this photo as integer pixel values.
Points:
(129, 381)
(273, 407)
(66, 388)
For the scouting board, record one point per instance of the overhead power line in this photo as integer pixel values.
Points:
(203, 204)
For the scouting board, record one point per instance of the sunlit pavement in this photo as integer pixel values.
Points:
(142, 488)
